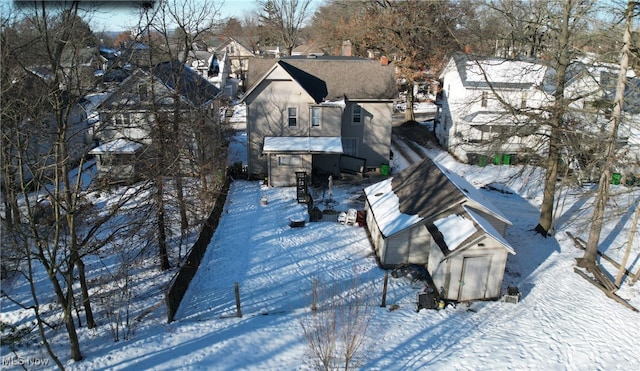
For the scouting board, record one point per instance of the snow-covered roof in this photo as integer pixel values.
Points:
(384, 202)
(489, 229)
(455, 229)
(503, 118)
(473, 193)
(336, 103)
(118, 146)
(303, 145)
(422, 192)
(481, 72)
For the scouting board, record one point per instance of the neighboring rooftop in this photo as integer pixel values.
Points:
(355, 78)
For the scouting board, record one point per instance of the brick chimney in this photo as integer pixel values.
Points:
(346, 48)
(384, 60)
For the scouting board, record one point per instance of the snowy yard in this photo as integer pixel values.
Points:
(562, 321)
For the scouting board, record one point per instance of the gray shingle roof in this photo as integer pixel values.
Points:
(355, 78)
(193, 87)
(424, 190)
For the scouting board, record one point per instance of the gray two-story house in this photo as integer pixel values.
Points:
(319, 115)
(169, 102)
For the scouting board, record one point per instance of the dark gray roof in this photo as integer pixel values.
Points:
(354, 78)
(608, 82)
(192, 86)
(316, 87)
(427, 189)
(424, 190)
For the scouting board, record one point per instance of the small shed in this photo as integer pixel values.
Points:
(429, 216)
(118, 160)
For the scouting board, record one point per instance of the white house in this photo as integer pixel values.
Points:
(239, 54)
(478, 97)
(591, 89)
(485, 98)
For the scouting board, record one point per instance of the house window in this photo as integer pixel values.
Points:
(123, 120)
(523, 102)
(142, 91)
(316, 117)
(485, 98)
(356, 114)
(293, 116)
(350, 146)
(290, 160)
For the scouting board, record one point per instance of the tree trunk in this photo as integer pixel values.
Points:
(623, 263)
(545, 223)
(602, 196)
(184, 221)
(162, 237)
(86, 302)
(408, 112)
(66, 301)
(74, 343)
(36, 307)
(12, 212)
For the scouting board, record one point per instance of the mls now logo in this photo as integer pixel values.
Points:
(20, 361)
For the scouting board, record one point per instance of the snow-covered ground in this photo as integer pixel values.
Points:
(561, 323)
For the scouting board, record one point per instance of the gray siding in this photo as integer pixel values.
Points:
(373, 133)
(283, 173)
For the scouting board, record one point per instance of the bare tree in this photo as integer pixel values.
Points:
(282, 20)
(415, 35)
(591, 252)
(54, 226)
(58, 248)
(337, 21)
(337, 327)
(183, 112)
(556, 31)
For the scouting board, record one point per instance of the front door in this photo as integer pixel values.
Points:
(473, 278)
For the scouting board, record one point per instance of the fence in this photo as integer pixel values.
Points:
(181, 281)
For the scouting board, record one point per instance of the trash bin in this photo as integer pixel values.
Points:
(497, 159)
(506, 159)
(385, 169)
(615, 178)
(482, 161)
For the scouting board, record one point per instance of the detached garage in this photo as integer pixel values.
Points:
(429, 216)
